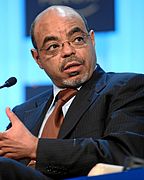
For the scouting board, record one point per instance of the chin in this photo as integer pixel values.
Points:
(75, 81)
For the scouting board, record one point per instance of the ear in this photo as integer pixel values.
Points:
(35, 55)
(92, 36)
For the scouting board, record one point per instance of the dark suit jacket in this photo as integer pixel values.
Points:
(105, 123)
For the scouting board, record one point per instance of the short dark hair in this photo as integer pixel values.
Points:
(33, 27)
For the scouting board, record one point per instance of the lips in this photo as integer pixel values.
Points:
(71, 65)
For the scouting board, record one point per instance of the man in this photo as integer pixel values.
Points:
(104, 121)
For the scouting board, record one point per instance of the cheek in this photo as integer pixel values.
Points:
(91, 56)
(88, 56)
(51, 66)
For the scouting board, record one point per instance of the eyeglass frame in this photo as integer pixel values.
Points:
(70, 42)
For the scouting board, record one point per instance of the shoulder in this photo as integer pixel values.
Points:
(125, 85)
(117, 78)
(112, 80)
(34, 101)
(125, 78)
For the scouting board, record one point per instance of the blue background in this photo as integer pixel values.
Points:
(99, 13)
(119, 51)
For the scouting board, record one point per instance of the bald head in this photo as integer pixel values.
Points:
(53, 12)
(58, 10)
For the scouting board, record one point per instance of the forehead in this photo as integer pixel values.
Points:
(57, 23)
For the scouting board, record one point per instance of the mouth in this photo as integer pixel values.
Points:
(72, 67)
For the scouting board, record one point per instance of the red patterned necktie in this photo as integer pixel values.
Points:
(55, 120)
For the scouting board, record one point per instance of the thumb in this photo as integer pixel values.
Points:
(12, 117)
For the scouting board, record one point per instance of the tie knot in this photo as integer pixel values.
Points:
(66, 94)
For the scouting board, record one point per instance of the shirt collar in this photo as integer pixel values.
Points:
(56, 90)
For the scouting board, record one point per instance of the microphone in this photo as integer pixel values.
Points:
(10, 82)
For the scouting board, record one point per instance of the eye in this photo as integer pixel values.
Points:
(52, 47)
(78, 40)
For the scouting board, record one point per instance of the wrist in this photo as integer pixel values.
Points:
(34, 149)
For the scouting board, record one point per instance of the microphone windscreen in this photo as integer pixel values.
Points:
(10, 82)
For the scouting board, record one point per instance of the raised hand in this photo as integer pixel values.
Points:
(17, 142)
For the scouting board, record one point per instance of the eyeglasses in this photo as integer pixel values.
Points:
(76, 41)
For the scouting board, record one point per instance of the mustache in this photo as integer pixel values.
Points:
(71, 59)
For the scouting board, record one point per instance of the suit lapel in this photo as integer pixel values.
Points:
(83, 100)
(34, 117)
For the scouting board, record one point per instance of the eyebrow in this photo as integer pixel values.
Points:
(49, 38)
(55, 38)
(75, 30)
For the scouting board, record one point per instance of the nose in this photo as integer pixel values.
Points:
(67, 49)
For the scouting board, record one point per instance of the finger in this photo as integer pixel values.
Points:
(12, 117)
(11, 155)
(1, 152)
(8, 112)
(2, 137)
(8, 149)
